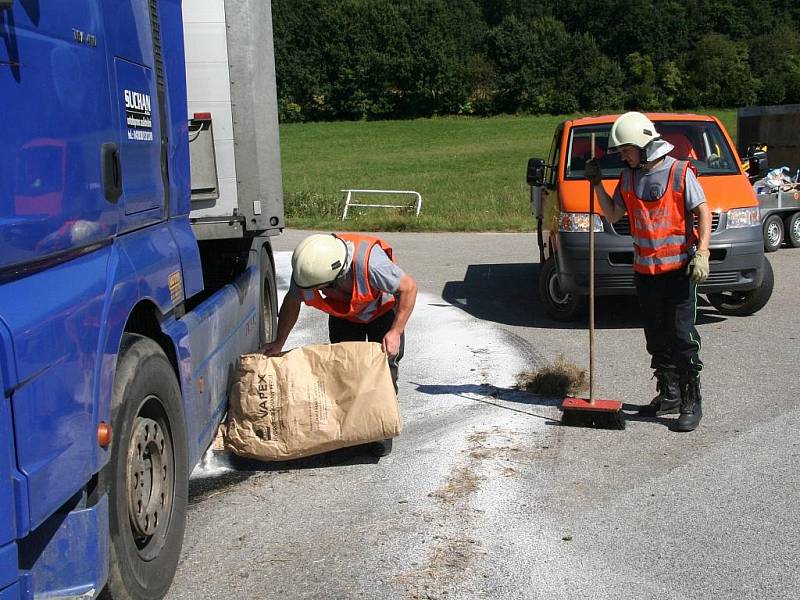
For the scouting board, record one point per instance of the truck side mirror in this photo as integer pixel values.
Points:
(535, 175)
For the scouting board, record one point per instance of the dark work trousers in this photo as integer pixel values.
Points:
(340, 330)
(669, 306)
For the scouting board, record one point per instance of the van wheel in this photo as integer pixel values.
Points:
(147, 474)
(792, 229)
(773, 233)
(558, 305)
(743, 304)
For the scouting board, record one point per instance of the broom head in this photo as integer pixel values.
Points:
(573, 403)
(604, 414)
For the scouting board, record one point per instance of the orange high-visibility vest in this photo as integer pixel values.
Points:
(662, 232)
(366, 303)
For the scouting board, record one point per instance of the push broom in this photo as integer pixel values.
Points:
(591, 412)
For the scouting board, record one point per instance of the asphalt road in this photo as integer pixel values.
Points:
(487, 496)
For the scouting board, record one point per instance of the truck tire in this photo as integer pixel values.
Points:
(558, 305)
(147, 474)
(743, 304)
(268, 320)
(773, 233)
(792, 229)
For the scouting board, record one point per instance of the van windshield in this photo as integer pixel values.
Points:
(700, 142)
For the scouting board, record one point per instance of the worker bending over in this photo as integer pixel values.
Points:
(353, 278)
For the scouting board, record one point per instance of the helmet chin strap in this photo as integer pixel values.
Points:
(642, 159)
(648, 164)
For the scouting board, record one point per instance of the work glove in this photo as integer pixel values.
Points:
(592, 172)
(698, 267)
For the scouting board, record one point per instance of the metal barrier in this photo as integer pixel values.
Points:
(348, 201)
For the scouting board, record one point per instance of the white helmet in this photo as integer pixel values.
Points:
(632, 129)
(318, 260)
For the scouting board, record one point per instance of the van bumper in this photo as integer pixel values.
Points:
(736, 262)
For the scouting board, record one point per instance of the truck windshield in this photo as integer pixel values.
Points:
(700, 142)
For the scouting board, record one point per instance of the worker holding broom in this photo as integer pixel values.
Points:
(660, 194)
(353, 278)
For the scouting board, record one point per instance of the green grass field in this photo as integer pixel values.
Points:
(470, 171)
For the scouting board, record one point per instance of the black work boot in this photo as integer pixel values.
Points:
(668, 400)
(691, 405)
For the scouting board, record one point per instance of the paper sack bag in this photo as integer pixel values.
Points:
(311, 400)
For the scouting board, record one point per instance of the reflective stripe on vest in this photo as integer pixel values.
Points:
(662, 234)
(652, 261)
(366, 303)
(656, 242)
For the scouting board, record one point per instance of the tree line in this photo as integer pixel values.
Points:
(388, 59)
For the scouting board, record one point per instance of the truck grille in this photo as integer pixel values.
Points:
(623, 226)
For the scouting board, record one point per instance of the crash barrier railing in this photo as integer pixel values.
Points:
(416, 205)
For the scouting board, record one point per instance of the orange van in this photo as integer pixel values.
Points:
(741, 279)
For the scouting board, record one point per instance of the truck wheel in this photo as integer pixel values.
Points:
(147, 474)
(743, 304)
(773, 233)
(269, 301)
(558, 305)
(792, 229)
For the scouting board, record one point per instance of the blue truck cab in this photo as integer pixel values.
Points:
(125, 299)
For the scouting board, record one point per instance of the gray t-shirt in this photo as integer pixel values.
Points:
(651, 184)
(383, 274)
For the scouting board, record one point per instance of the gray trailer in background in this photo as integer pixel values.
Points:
(777, 128)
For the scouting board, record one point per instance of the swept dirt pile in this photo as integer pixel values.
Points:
(559, 379)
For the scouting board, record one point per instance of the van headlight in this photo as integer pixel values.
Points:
(578, 222)
(744, 217)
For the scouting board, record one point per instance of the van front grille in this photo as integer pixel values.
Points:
(618, 282)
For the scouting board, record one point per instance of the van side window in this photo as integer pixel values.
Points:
(552, 159)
